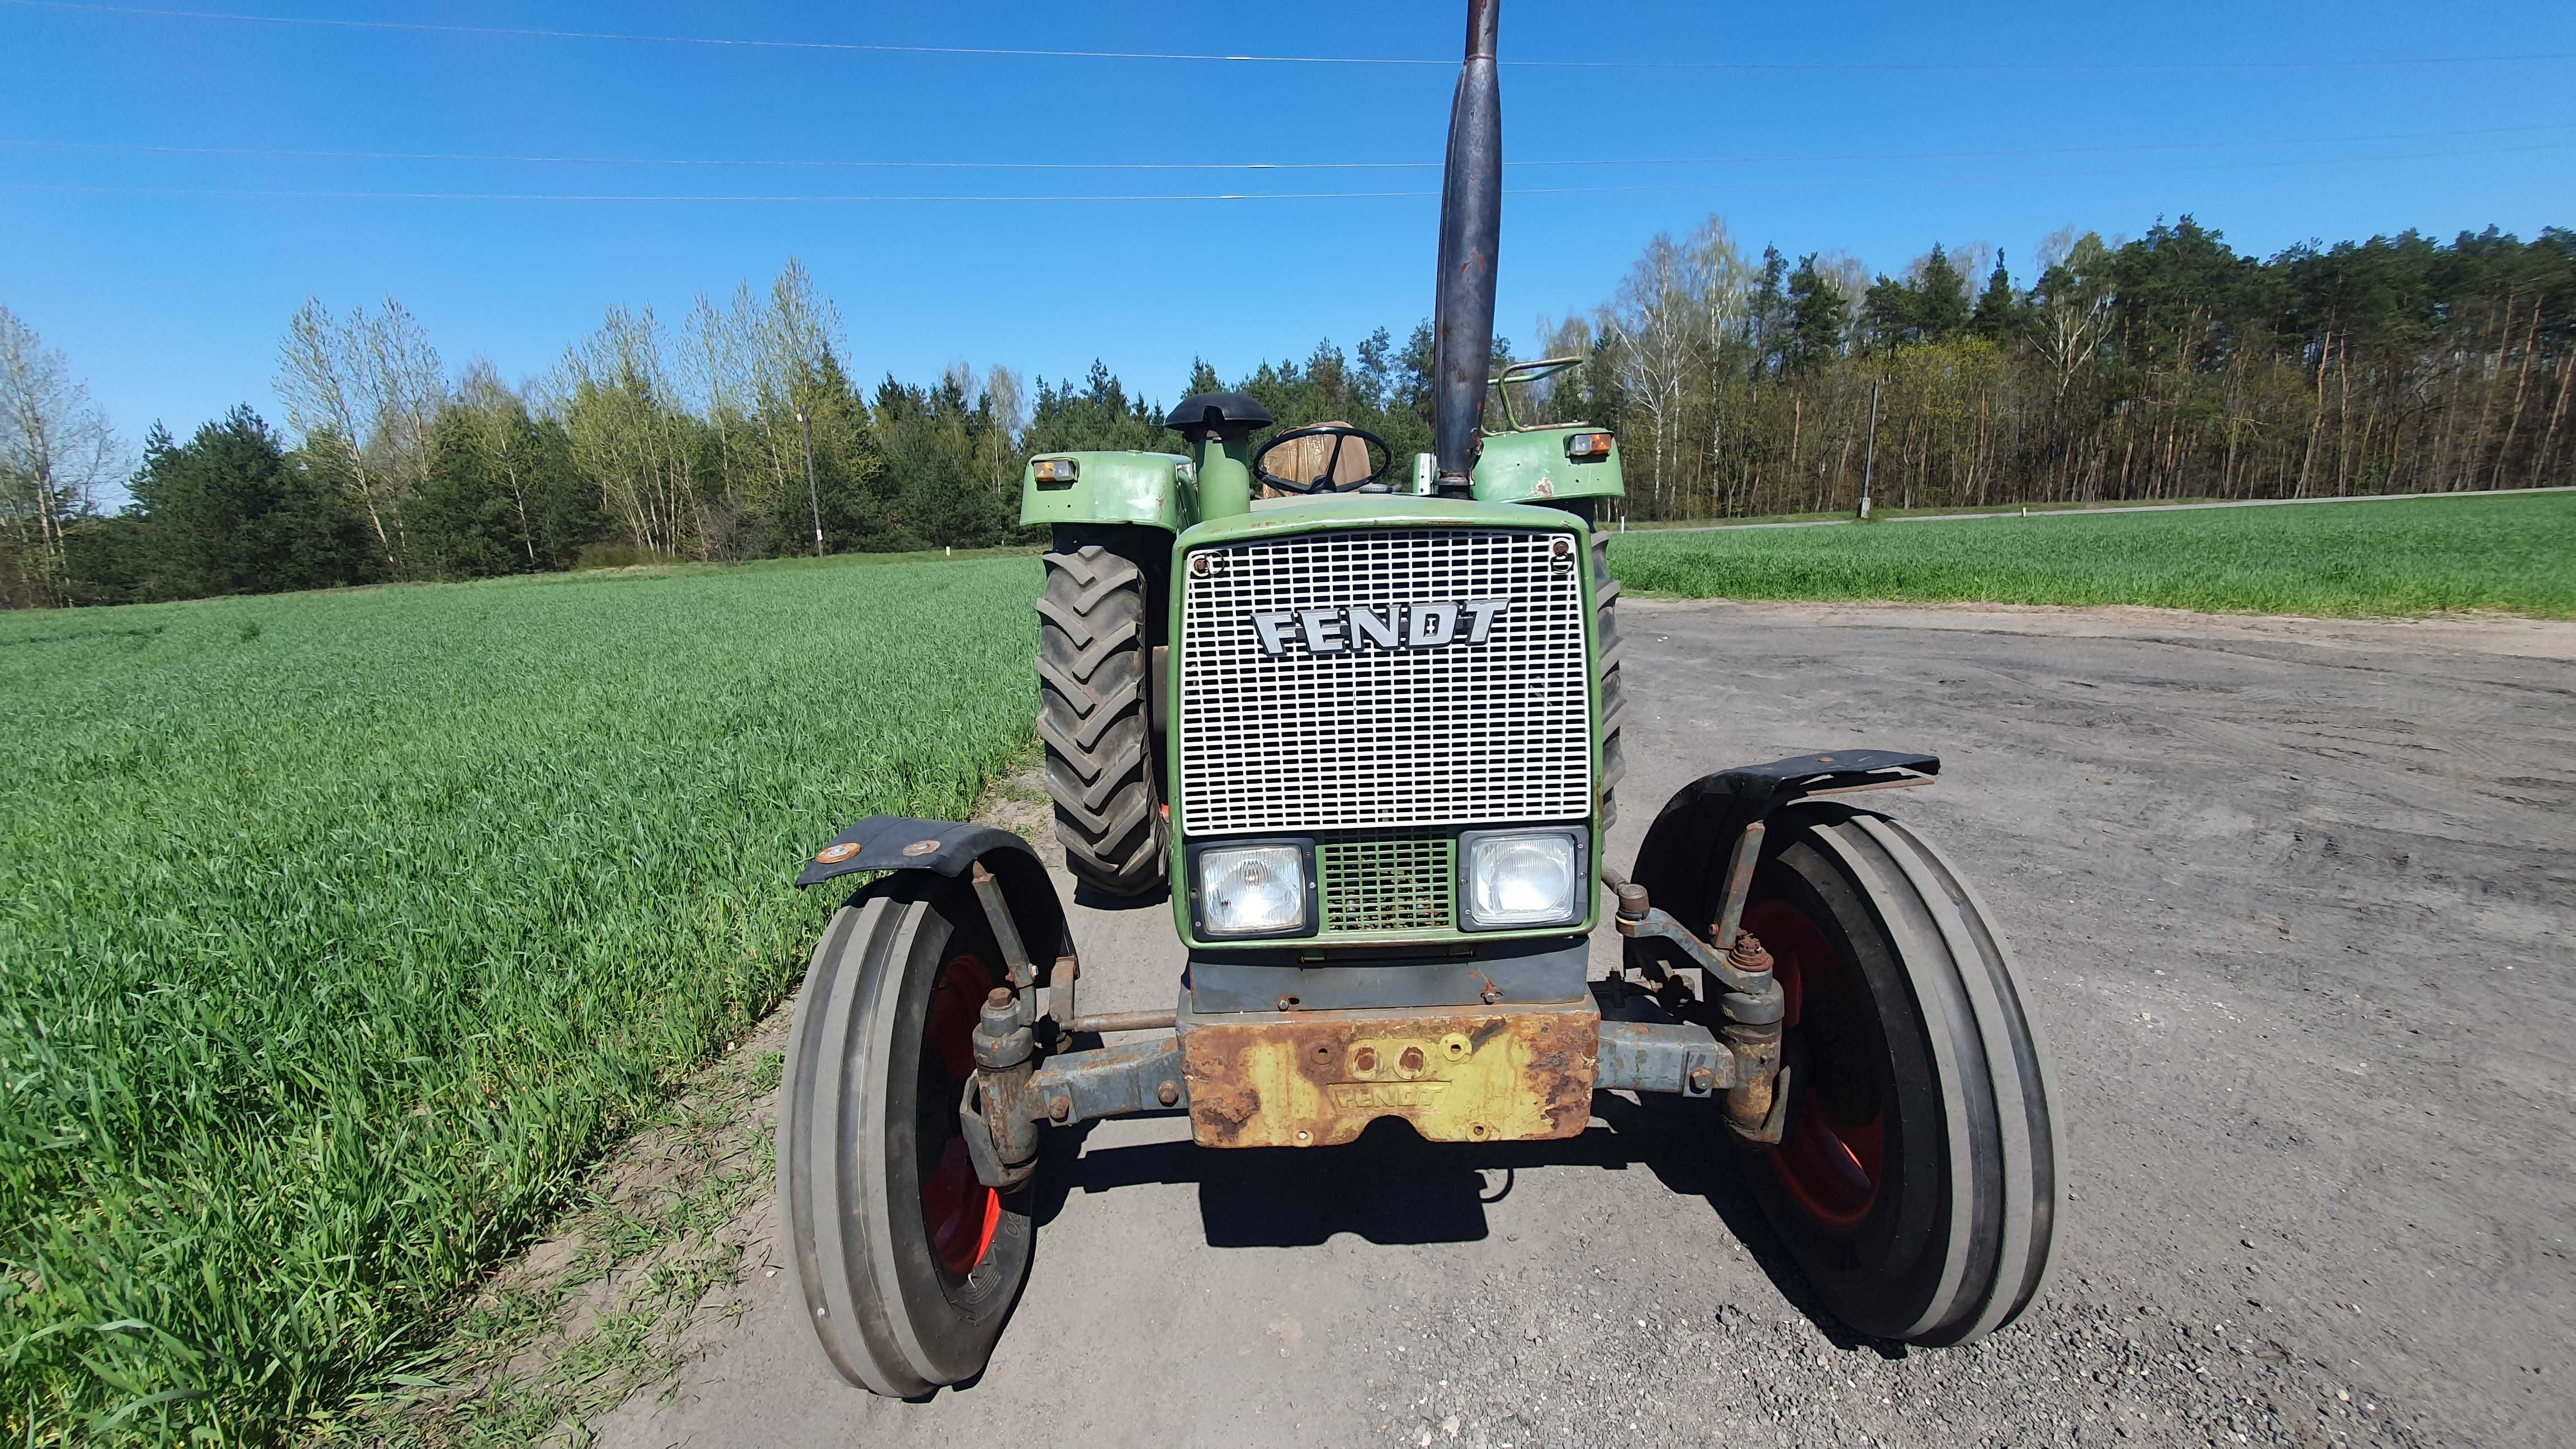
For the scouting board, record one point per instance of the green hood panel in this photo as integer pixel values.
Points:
(1374, 510)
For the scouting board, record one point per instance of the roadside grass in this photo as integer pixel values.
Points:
(339, 932)
(658, 1238)
(654, 1255)
(2435, 555)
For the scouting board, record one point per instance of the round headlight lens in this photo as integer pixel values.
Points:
(1252, 890)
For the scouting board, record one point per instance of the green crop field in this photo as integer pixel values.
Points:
(338, 930)
(2418, 556)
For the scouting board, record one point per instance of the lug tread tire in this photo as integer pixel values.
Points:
(1096, 722)
(1976, 1249)
(871, 1290)
(1606, 658)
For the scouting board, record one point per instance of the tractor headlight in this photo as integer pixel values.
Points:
(1523, 878)
(1252, 890)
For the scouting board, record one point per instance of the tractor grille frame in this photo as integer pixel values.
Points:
(1376, 739)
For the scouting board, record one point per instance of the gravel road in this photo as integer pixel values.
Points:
(2293, 901)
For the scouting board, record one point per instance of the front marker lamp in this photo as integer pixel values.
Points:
(1252, 890)
(1522, 878)
(1582, 447)
(1055, 470)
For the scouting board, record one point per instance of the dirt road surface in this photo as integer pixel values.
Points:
(2293, 901)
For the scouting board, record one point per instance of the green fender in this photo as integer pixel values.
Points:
(1158, 489)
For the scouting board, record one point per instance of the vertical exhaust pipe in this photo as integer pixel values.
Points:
(1471, 223)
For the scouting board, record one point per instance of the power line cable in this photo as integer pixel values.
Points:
(1023, 52)
(280, 153)
(1094, 197)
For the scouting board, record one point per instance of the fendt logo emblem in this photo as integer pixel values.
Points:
(1354, 628)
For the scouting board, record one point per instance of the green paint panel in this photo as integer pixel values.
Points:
(1371, 510)
(1532, 467)
(1150, 488)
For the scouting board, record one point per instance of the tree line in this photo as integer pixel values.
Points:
(2166, 366)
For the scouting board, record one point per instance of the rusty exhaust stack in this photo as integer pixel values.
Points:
(1471, 223)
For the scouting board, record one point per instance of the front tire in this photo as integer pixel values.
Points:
(908, 1264)
(1919, 1180)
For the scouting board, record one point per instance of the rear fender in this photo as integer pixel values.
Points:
(1683, 863)
(902, 844)
(1157, 490)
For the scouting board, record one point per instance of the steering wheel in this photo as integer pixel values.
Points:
(1341, 436)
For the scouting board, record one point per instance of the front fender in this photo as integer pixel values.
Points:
(947, 848)
(1682, 865)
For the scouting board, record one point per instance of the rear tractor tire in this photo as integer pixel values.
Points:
(909, 1265)
(1920, 1175)
(1097, 721)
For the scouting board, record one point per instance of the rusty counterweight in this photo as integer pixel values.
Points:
(1314, 1078)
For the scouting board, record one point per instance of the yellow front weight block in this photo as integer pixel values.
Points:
(1458, 1074)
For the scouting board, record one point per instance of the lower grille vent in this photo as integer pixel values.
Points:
(1384, 881)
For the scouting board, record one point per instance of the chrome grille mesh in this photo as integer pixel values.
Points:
(1386, 881)
(1462, 734)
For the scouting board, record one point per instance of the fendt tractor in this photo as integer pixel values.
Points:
(1362, 723)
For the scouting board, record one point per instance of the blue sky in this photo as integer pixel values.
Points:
(171, 305)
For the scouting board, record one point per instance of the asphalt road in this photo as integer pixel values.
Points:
(2293, 902)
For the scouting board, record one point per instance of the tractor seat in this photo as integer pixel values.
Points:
(1307, 459)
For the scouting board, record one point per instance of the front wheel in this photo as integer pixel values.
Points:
(1919, 1177)
(909, 1265)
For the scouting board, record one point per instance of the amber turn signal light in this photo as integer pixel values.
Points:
(1054, 470)
(1587, 445)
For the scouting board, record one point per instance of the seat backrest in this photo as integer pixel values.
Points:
(1306, 460)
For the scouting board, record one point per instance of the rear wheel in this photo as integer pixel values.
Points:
(1096, 720)
(1918, 1177)
(908, 1263)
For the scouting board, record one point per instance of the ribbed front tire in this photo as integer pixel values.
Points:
(908, 1265)
(1096, 721)
(1921, 1176)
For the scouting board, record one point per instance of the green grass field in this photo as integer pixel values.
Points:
(337, 931)
(2419, 556)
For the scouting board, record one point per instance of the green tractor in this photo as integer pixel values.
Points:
(1363, 725)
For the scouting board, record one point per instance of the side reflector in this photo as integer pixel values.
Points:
(1054, 470)
(1587, 445)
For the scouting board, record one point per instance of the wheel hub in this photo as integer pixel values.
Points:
(1832, 1159)
(959, 1212)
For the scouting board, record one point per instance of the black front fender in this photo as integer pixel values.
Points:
(947, 848)
(1682, 865)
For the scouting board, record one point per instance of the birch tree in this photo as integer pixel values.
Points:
(628, 431)
(361, 393)
(56, 451)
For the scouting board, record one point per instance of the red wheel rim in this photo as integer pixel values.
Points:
(960, 1213)
(1832, 1158)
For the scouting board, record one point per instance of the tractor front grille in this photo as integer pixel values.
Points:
(1378, 737)
(1386, 881)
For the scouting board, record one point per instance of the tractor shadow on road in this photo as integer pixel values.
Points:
(1393, 1189)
